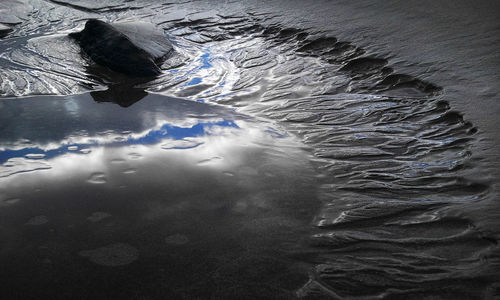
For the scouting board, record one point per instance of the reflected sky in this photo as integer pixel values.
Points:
(209, 76)
(154, 136)
(95, 185)
(203, 62)
(43, 128)
(40, 132)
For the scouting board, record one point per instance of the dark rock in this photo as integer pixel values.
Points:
(4, 30)
(135, 48)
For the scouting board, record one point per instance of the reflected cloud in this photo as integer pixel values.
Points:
(144, 125)
(176, 156)
(154, 136)
(50, 127)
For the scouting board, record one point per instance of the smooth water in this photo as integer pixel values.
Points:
(287, 151)
(166, 198)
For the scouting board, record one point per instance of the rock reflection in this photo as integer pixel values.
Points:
(121, 89)
(123, 94)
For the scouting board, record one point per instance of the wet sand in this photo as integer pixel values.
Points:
(288, 150)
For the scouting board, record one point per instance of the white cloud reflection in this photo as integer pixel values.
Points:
(190, 136)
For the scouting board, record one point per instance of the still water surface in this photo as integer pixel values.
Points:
(166, 198)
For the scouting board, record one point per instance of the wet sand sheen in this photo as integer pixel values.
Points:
(218, 204)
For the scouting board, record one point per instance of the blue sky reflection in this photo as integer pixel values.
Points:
(205, 60)
(167, 131)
